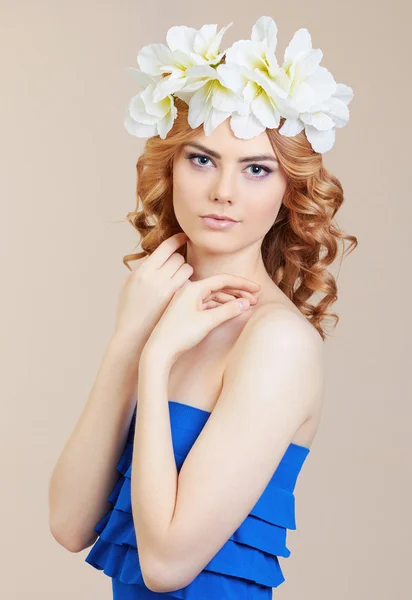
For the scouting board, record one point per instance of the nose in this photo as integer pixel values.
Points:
(223, 188)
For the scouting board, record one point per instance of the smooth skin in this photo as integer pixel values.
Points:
(272, 380)
(95, 445)
(272, 383)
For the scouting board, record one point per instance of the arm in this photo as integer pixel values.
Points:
(271, 383)
(85, 472)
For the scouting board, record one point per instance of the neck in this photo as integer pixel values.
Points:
(246, 262)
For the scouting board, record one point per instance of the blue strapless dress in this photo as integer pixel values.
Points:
(247, 565)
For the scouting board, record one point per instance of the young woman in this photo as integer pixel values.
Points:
(204, 409)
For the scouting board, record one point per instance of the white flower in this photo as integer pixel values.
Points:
(187, 47)
(145, 116)
(210, 101)
(164, 70)
(313, 92)
(317, 123)
(250, 88)
(252, 72)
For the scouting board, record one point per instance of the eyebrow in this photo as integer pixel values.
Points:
(240, 160)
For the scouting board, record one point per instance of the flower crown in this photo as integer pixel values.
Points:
(249, 87)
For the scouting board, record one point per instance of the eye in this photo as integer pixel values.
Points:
(191, 157)
(266, 169)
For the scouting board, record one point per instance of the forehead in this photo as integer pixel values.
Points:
(223, 141)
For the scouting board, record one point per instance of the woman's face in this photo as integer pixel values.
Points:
(249, 191)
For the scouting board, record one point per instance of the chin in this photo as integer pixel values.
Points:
(212, 243)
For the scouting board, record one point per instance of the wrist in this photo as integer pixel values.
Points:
(156, 356)
(126, 345)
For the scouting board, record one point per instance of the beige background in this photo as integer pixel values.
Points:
(67, 182)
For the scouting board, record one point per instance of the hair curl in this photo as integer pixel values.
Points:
(302, 241)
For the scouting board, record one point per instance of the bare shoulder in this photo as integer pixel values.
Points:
(279, 320)
(280, 338)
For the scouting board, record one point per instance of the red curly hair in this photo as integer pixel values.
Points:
(302, 241)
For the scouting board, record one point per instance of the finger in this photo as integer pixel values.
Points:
(139, 261)
(222, 297)
(172, 264)
(235, 291)
(182, 275)
(165, 249)
(224, 280)
(224, 312)
(210, 304)
(244, 294)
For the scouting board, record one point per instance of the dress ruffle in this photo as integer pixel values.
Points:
(248, 559)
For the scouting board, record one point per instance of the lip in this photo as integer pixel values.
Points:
(221, 217)
(218, 223)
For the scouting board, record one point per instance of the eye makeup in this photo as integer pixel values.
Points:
(193, 156)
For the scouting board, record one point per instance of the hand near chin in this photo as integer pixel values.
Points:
(153, 283)
(192, 312)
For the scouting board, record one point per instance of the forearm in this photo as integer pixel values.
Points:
(154, 472)
(85, 472)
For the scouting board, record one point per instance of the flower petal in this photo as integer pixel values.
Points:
(247, 54)
(343, 92)
(303, 96)
(250, 92)
(291, 127)
(270, 85)
(139, 129)
(266, 111)
(201, 71)
(199, 107)
(273, 67)
(323, 84)
(309, 62)
(213, 119)
(154, 56)
(321, 141)
(158, 109)
(181, 60)
(338, 111)
(143, 79)
(232, 76)
(169, 85)
(166, 124)
(203, 38)
(247, 126)
(301, 42)
(318, 119)
(214, 45)
(286, 108)
(180, 37)
(197, 76)
(138, 112)
(265, 30)
(223, 99)
(184, 95)
(191, 86)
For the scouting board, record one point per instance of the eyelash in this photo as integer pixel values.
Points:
(266, 169)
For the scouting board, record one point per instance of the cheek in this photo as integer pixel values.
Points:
(262, 213)
(185, 205)
(181, 191)
(184, 182)
(183, 202)
(189, 192)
